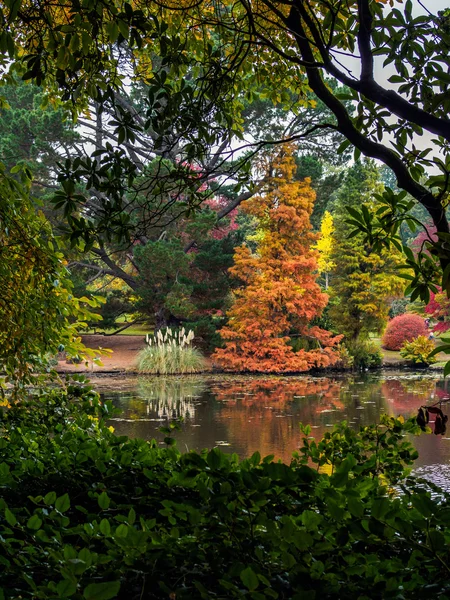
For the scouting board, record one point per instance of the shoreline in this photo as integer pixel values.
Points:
(125, 349)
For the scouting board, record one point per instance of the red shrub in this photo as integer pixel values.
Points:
(403, 328)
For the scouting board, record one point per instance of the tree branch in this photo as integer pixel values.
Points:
(117, 271)
(364, 37)
(347, 128)
(389, 99)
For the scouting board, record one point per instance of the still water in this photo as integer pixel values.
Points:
(245, 414)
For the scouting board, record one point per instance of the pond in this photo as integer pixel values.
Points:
(243, 414)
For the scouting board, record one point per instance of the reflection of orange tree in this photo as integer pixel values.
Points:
(256, 412)
(405, 397)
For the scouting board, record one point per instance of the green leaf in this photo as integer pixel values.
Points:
(336, 511)
(70, 553)
(214, 458)
(437, 540)
(131, 516)
(249, 579)
(447, 369)
(423, 504)
(124, 29)
(380, 507)
(355, 507)
(443, 348)
(255, 458)
(311, 519)
(339, 478)
(101, 591)
(50, 498)
(442, 76)
(343, 147)
(66, 588)
(10, 518)
(112, 30)
(63, 503)
(355, 213)
(122, 531)
(105, 527)
(104, 501)
(34, 522)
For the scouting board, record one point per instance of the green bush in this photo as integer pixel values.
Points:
(206, 332)
(171, 353)
(365, 354)
(302, 343)
(346, 360)
(418, 351)
(85, 514)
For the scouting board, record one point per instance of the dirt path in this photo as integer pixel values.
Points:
(125, 349)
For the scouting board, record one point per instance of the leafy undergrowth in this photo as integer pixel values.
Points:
(88, 515)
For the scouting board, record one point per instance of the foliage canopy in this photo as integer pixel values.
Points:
(39, 314)
(201, 61)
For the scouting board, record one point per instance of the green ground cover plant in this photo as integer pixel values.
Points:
(86, 514)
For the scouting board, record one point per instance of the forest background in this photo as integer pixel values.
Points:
(146, 144)
(179, 269)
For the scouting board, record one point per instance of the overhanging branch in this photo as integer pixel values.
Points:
(347, 128)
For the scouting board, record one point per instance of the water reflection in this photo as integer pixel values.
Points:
(245, 414)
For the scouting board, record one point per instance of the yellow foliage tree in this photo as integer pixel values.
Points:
(324, 246)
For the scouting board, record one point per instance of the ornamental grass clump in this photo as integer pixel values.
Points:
(171, 353)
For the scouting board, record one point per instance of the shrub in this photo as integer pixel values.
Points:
(206, 329)
(401, 329)
(85, 514)
(171, 353)
(418, 351)
(398, 307)
(365, 354)
(346, 360)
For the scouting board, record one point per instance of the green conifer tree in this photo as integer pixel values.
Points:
(363, 280)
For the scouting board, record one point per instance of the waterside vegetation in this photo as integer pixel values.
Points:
(171, 353)
(342, 520)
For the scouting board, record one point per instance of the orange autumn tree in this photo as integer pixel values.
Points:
(269, 324)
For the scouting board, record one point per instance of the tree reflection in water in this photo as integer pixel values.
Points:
(269, 411)
(171, 398)
(244, 414)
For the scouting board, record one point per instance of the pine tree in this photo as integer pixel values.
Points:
(280, 295)
(363, 281)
